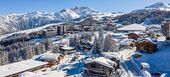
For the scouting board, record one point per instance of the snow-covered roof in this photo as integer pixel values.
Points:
(43, 74)
(67, 48)
(50, 56)
(103, 61)
(110, 55)
(133, 27)
(153, 26)
(152, 40)
(21, 66)
(62, 42)
(125, 42)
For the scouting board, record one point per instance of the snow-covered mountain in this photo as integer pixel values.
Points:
(15, 22)
(153, 14)
(159, 6)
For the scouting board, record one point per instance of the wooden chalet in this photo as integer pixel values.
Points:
(67, 50)
(146, 45)
(100, 67)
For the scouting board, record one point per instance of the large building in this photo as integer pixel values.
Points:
(137, 28)
(166, 28)
(14, 69)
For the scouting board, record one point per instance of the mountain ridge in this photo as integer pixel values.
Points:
(15, 22)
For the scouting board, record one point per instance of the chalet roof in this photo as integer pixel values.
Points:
(21, 66)
(133, 27)
(67, 48)
(126, 41)
(152, 40)
(119, 35)
(43, 74)
(50, 56)
(103, 61)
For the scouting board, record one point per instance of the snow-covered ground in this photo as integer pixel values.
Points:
(158, 61)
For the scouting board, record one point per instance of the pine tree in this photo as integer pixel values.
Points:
(100, 40)
(109, 44)
(55, 49)
(73, 41)
(95, 48)
(48, 44)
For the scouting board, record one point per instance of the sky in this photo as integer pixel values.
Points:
(25, 6)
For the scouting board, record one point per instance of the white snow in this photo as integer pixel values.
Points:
(159, 6)
(21, 66)
(126, 41)
(43, 74)
(62, 42)
(146, 73)
(158, 61)
(133, 27)
(110, 55)
(103, 61)
(50, 56)
(67, 48)
(145, 65)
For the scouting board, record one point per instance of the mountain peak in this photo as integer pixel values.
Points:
(78, 9)
(159, 5)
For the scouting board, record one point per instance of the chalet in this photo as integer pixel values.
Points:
(132, 28)
(166, 28)
(51, 58)
(14, 69)
(67, 50)
(100, 67)
(146, 45)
